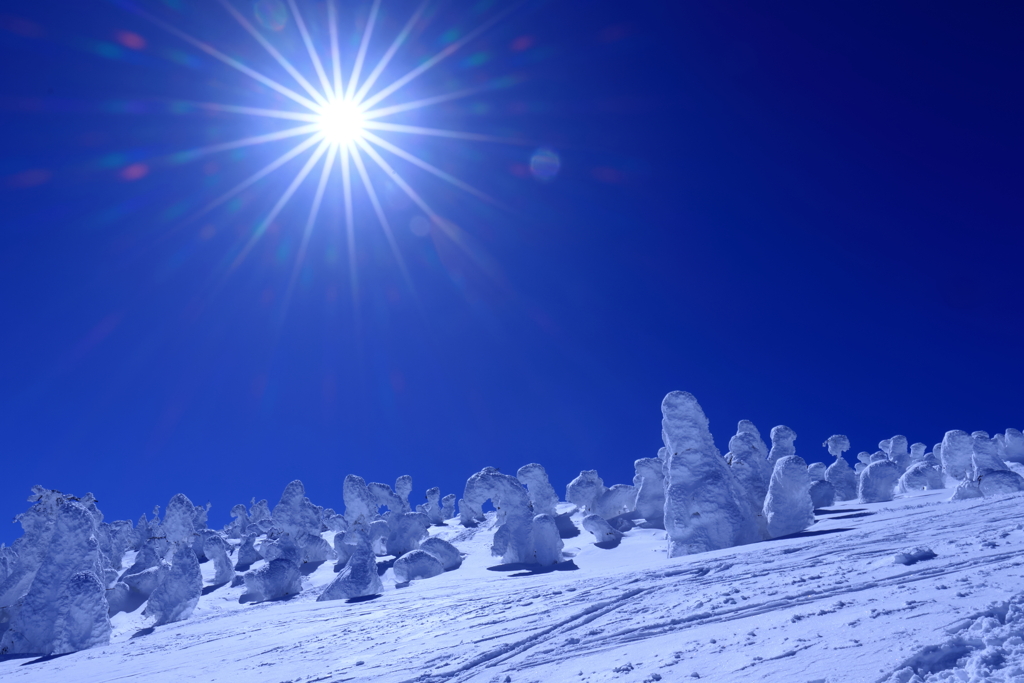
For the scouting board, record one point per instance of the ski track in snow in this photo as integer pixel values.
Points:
(829, 605)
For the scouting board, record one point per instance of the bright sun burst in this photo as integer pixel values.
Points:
(343, 119)
(341, 122)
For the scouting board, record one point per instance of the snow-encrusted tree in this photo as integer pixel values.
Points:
(179, 581)
(839, 473)
(782, 443)
(957, 448)
(513, 540)
(748, 461)
(58, 608)
(542, 494)
(788, 507)
(360, 503)
(989, 470)
(650, 497)
(878, 481)
(359, 577)
(706, 508)
(585, 490)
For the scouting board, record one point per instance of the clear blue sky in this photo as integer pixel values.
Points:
(805, 213)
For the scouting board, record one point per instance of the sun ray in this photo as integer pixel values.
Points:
(248, 142)
(440, 132)
(417, 104)
(230, 61)
(353, 78)
(449, 228)
(398, 151)
(436, 59)
(256, 111)
(386, 59)
(265, 223)
(299, 78)
(317, 64)
(332, 27)
(307, 232)
(350, 230)
(262, 173)
(357, 158)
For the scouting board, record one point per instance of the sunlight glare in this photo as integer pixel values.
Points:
(341, 121)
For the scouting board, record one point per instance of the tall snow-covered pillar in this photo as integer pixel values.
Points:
(705, 507)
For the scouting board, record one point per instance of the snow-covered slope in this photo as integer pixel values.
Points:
(828, 604)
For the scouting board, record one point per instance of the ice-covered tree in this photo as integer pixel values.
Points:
(878, 481)
(405, 531)
(650, 498)
(513, 540)
(547, 542)
(748, 461)
(360, 503)
(446, 553)
(989, 470)
(542, 494)
(706, 508)
(417, 564)
(788, 507)
(179, 581)
(1013, 442)
(58, 604)
(359, 577)
(839, 473)
(585, 490)
(920, 476)
(782, 438)
(956, 451)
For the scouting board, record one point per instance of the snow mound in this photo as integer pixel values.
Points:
(417, 564)
(913, 555)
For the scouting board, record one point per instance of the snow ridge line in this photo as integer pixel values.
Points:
(506, 651)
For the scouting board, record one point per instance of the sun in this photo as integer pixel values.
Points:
(341, 121)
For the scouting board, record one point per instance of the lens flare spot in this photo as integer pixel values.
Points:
(545, 164)
(272, 14)
(341, 121)
(30, 178)
(134, 172)
(131, 40)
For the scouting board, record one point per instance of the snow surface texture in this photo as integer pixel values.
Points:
(74, 582)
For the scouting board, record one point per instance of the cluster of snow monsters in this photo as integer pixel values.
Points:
(62, 581)
(65, 577)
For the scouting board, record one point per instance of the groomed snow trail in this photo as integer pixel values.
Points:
(829, 604)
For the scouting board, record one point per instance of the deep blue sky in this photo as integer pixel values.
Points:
(807, 214)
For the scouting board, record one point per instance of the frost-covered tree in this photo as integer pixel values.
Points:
(917, 452)
(956, 451)
(989, 470)
(448, 506)
(542, 494)
(360, 504)
(839, 473)
(405, 531)
(179, 581)
(616, 500)
(446, 553)
(816, 471)
(705, 506)
(920, 476)
(585, 490)
(417, 564)
(748, 461)
(788, 507)
(216, 550)
(274, 580)
(298, 525)
(386, 497)
(239, 524)
(878, 481)
(896, 451)
(359, 577)
(513, 539)
(547, 542)
(58, 604)
(247, 553)
(403, 487)
(433, 507)
(1013, 442)
(650, 497)
(782, 443)
(601, 529)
